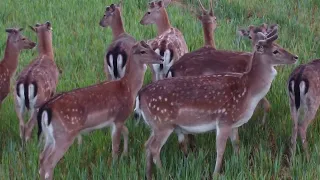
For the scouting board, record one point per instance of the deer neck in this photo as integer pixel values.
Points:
(11, 57)
(134, 76)
(261, 74)
(163, 23)
(117, 27)
(208, 35)
(45, 44)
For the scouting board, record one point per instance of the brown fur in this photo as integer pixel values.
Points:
(168, 37)
(197, 104)
(43, 74)
(8, 65)
(83, 110)
(304, 90)
(122, 41)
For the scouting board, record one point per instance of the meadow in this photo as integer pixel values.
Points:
(80, 44)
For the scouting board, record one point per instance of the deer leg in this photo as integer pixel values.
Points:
(53, 156)
(125, 134)
(223, 133)
(19, 108)
(154, 148)
(30, 124)
(302, 128)
(116, 137)
(234, 137)
(266, 108)
(294, 116)
(192, 141)
(183, 143)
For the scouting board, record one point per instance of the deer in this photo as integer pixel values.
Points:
(116, 56)
(169, 42)
(303, 90)
(197, 104)
(82, 110)
(37, 82)
(16, 42)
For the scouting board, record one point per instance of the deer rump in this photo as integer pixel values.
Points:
(117, 59)
(40, 75)
(165, 50)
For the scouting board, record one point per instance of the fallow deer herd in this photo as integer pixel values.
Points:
(191, 92)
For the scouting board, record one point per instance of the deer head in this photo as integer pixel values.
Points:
(109, 17)
(270, 52)
(143, 52)
(18, 40)
(42, 28)
(207, 17)
(252, 31)
(155, 11)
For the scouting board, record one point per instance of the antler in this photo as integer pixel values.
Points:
(211, 7)
(202, 6)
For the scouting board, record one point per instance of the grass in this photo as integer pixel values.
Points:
(80, 45)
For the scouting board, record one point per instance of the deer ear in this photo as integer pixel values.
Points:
(33, 28)
(243, 32)
(160, 3)
(259, 47)
(10, 30)
(166, 2)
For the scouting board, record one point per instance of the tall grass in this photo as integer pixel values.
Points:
(80, 45)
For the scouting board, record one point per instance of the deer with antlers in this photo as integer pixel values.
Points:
(69, 114)
(198, 104)
(304, 99)
(37, 82)
(16, 42)
(117, 53)
(169, 43)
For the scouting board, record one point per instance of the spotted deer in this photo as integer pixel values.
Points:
(189, 64)
(169, 43)
(109, 103)
(251, 34)
(16, 42)
(198, 104)
(304, 99)
(116, 56)
(37, 82)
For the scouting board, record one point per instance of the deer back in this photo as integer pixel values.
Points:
(207, 60)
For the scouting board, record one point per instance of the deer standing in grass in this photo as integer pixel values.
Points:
(117, 53)
(37, 82)
(198, 104)
(304, 98)
(69, 114)
(8, 65)
(169, 43)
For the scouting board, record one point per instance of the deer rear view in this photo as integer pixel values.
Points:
(198, 104)
(169, 43)
(37, 82)
(304, 97)
(69, 114)
(117, 53)
(8, 65)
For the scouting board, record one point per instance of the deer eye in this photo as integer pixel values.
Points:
(23, 39)
(149, 12)
(250, 37)
(142, 52)
(275, 52)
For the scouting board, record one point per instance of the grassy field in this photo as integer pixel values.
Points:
(80, 45)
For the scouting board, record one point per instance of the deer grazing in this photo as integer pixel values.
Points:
(169, 43)
(198, 104)
(69, 114)
(117, 53)
(37, 82)
(303, 88)
(8, 65)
